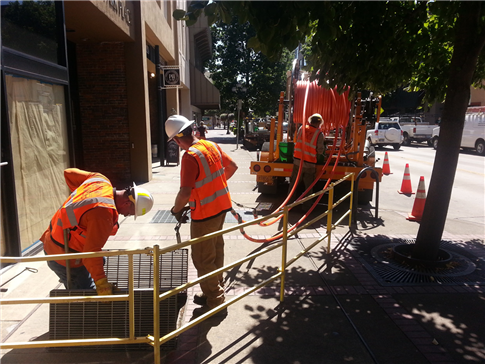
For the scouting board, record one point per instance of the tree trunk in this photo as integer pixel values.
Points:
(469, 43)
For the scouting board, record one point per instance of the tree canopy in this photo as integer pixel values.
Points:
(381, 46)
(234, 63)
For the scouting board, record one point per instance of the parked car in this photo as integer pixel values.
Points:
(385, 132)
(473, 136)
(414, 129)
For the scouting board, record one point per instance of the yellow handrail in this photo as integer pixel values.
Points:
(155, 340)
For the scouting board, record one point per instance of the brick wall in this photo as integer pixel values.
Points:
(104, 110)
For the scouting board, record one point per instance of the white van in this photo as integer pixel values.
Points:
(473, 132)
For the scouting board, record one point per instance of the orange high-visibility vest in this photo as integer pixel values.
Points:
(96, 191)
(307, 150)
(210, 197)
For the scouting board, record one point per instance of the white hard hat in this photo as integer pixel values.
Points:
(316, 115)
(175, 124)
(143, 201)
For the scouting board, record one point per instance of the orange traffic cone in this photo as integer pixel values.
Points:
(406, 182)
(386, 169)
(419, 202)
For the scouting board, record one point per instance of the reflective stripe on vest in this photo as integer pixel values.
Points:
(309, 147)
(99, 193)
(210, 196)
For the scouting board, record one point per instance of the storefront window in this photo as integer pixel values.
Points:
(38, 131)
(31, 27)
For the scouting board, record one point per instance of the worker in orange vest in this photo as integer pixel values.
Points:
(85, 221)
(308, 151)
(205, 169)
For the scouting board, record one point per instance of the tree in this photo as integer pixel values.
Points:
(381, 46)
(234, 63)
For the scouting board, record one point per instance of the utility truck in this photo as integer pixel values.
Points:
(473, 137)
(415, 129)
(344, 127)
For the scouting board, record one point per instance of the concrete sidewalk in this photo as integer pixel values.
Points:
(348, 306)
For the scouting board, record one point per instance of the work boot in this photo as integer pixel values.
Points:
(200, 299)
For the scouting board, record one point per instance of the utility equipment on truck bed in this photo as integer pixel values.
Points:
(276, 161)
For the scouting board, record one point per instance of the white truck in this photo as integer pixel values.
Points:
(473, 136)
(415, 129)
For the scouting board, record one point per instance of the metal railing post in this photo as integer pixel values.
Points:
(351, 200)
(131, 296)
(156, 305)
(330, 215)
(284, 253)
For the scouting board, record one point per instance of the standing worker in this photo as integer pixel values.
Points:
(205, 169)
(308, 151)
(89, 216)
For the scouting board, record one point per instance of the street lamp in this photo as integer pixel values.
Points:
(239, 89)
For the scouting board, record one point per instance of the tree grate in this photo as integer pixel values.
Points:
(378, 259)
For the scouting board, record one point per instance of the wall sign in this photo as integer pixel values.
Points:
(171, 76)
(120, 8)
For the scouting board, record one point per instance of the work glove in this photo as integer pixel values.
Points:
(179, 215)
(103, 287)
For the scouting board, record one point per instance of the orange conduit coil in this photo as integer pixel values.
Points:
(310, 98)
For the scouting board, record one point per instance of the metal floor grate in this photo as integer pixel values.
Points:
(173, 270)
(100, 320)
(166, 217)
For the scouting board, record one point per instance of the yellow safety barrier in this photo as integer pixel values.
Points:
(155, 340)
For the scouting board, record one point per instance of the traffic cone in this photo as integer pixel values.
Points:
(386, 169)
(406, 182)
(419, 202)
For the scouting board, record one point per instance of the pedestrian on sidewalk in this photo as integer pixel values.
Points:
(307, 152)
(202, 129)
(86, 220)
(205, 169)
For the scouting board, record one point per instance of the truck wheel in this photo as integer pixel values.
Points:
(480, 147)
(370, 142)
(396, 146)
(406, 140)
(435, 142)
(429, 142)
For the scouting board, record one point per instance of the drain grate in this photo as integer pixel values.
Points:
(376, 256)
(100, 320)
(166, 217)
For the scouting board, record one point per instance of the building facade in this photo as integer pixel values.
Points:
(89, 84)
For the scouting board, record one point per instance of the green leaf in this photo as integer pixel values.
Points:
(179, 14)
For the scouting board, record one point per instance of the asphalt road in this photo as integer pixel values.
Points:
(468, 197)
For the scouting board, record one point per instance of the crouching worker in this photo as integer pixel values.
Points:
(205, 169)
(88, 217)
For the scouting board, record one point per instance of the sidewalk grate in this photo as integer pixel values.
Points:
(101, 320)
(374, 253)
(166, 217)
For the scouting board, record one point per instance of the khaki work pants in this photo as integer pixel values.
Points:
(208, 256)
(308, 173)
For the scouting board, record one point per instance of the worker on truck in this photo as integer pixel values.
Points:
(307, 152)
(205, 169)
(89, 216)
